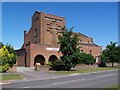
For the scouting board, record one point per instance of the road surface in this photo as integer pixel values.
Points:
(91, 80)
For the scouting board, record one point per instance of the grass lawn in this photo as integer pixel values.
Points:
(10, 77)
(87, 70)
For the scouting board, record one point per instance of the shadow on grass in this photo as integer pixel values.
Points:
(86, 70)
(11, 77)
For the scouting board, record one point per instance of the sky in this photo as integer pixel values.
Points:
(98, 20)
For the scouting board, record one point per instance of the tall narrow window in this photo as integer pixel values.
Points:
(90, 51)
(81, 50)
(35, 19)
(35, 33)
(35, 42)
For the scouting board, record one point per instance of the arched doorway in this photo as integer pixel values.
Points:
(39, 59)
(52, 58)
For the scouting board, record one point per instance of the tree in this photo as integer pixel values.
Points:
(69, 47)
(7, 57)
(111, 52)
(1, 44)
(118, 54)
(11, 51)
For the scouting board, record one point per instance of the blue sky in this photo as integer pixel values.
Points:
(94, 19)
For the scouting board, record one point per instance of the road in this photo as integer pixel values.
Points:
(91, 80)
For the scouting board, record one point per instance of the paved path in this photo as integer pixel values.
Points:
(91, 80)
(30, 74)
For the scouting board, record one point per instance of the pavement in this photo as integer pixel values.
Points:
(44, 73)
(29, 74)
(88, 80)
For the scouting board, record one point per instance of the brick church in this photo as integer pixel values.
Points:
(41, 41)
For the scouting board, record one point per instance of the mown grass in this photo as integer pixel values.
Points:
(10, 77)
(93, 69)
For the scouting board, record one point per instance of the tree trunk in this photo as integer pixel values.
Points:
(112, 64)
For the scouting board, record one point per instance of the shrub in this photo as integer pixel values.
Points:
(102, 65)
(57, 65)
(88, 59)
(102, 61)
(82, 58)
(49, 63)
(7, 57)
(4, 68)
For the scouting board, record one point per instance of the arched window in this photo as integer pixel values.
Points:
(39, 59)
(52, 58)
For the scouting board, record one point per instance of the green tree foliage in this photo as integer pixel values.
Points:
(1, 44)
(103, 61)
(12, 52)
(69, 47)
(82, 58)
(118, 54)
(7, 57)
(57, 65)
(88, 59)
(111, 53)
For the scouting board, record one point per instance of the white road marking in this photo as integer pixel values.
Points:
(106, 75)
(3, 83)
(68, 81)
(82, 79)
(74, 74)
(70, 75)
(97, 76)
(26, 87)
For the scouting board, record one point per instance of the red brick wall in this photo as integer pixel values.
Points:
(48, 26)
(42, 51)
(96, 50)
(20, 57)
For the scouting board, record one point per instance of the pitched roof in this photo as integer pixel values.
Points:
(78, 33)
(90, 44)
